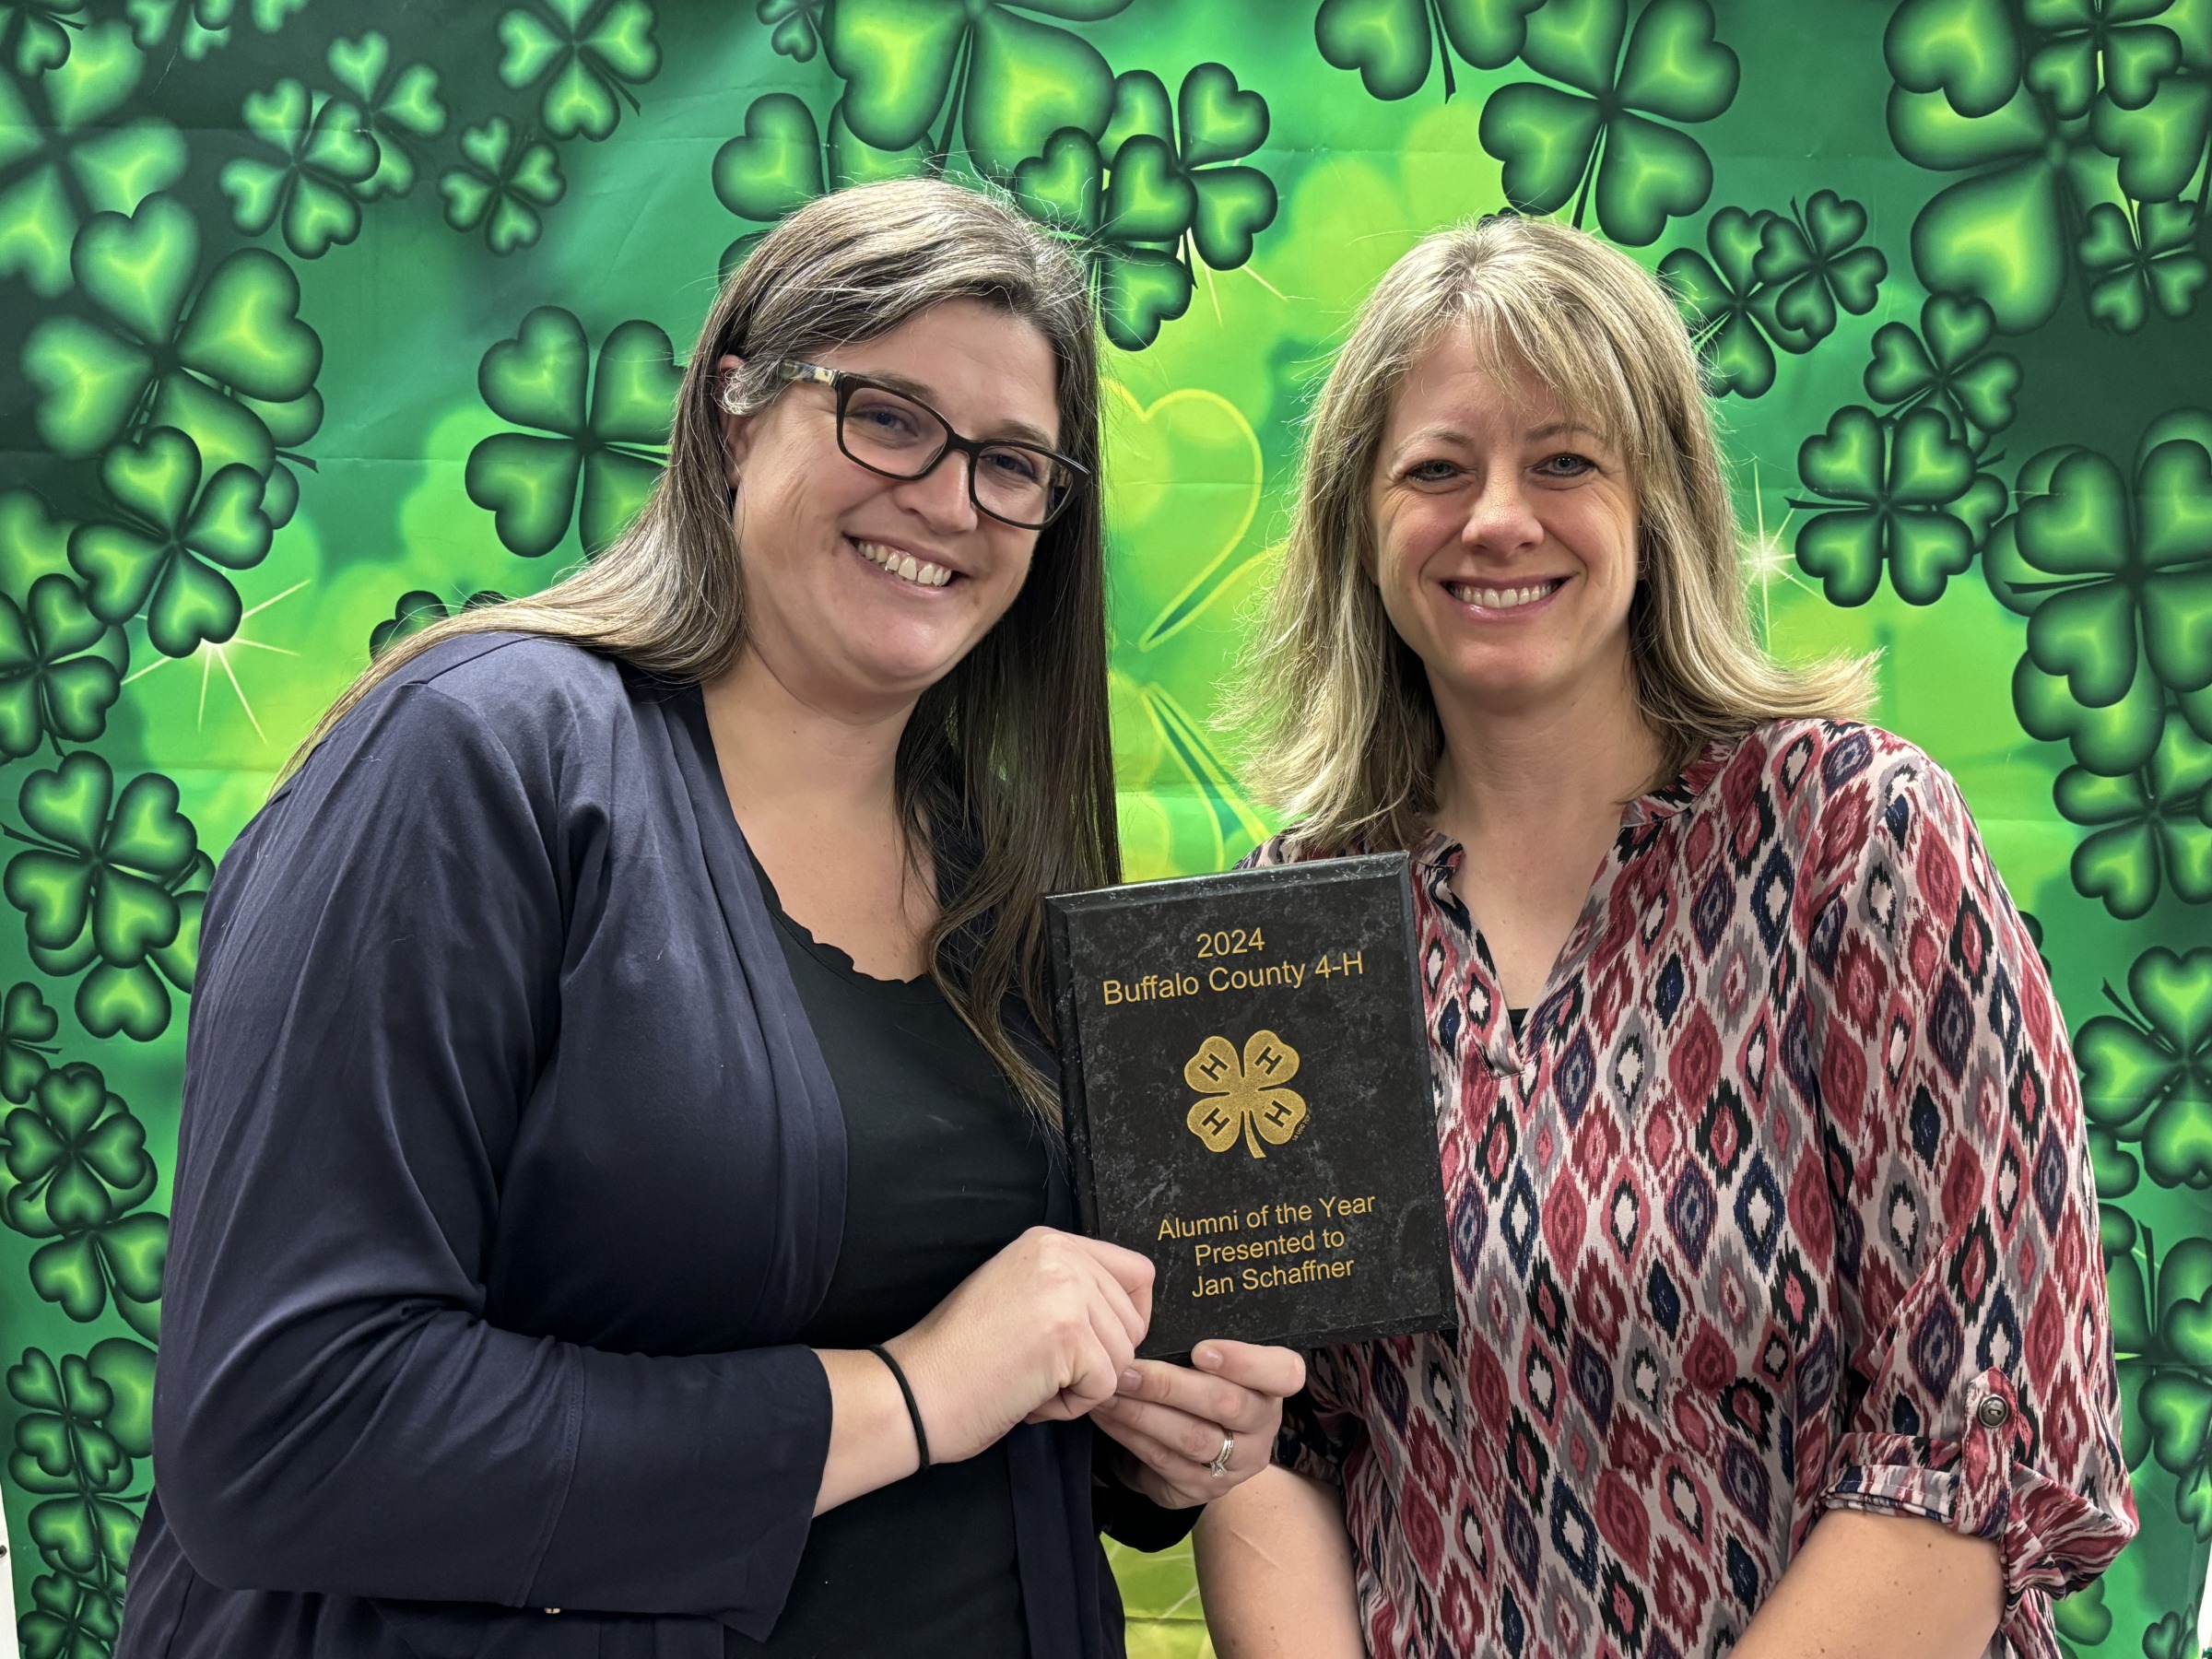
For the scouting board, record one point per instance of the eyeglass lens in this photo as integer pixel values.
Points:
(898, 436)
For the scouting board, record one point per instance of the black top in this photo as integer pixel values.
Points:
(1519, 1017)
(943, 1168)
(510, 1176)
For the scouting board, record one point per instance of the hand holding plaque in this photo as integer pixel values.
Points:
(1191, 1433)
(1246, 1087)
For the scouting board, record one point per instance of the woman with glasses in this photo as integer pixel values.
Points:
(616, 1211)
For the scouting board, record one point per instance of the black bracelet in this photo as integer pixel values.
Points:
(912, 1411)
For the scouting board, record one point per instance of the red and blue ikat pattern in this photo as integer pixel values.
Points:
(1783, 1205)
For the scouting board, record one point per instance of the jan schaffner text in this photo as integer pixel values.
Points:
(1263, 1248)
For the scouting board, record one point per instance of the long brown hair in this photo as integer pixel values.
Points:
(1009, 751)
(1344, 724)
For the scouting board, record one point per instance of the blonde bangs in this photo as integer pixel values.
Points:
(1511, 331)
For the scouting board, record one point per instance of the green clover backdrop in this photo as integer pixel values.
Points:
(319, 321)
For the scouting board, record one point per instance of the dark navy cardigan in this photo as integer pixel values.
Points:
(509, 1168)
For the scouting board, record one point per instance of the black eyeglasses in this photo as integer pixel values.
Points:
(889, 432)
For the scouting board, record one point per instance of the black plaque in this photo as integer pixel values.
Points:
(1245, 1079)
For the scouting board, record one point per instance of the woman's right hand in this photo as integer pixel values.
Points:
(1040, 1332)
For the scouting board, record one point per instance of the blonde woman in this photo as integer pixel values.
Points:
(616, 1212)
(1781, 1323)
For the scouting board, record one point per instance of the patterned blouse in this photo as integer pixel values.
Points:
(1782, 1205)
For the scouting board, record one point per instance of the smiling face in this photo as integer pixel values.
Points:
(1505, 537)
(863, 591)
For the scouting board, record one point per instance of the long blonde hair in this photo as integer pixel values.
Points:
(1346, 735)
(1010, 750)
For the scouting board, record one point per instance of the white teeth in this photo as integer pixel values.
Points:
(904, 566)
(1490, 598)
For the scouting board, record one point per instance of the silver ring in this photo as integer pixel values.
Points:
(1219, 1468)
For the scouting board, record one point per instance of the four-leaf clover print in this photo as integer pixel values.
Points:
(586, 52)
(2147, 1071)
(1139, 282)
(604, 425)
(328, 155)
(1901, 493)
(61, 668)
(225, 359)
(1947, 364)
(1173, 164)
(75, 1157)
(76, 1170)
(1001, 79)
(2112, 49)
(1729, 308)
(74, 1618)
(1392, 44)
(1772, 280)
(2115, 578)
(2150, 830)
(1167, 200)
(1606, 141)
(85, 1427)
(110, 881)
(59, 163)
(506, 182)
(1814, 261)
(398, 107)
(179, 527)
(2141, 260)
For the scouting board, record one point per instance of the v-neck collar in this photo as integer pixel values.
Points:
(1438, 857)
(1437, 848)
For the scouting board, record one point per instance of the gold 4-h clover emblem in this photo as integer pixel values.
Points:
(1245, 1095)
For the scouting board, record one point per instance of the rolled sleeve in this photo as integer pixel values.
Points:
(1980, 1389)
(1985, 1484)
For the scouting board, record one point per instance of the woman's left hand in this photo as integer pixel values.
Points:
(1172, 1421)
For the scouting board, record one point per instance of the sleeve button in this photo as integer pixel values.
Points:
(552, 1609)
(1993, 1412)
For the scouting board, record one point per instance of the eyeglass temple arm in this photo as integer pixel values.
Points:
(792, 369)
